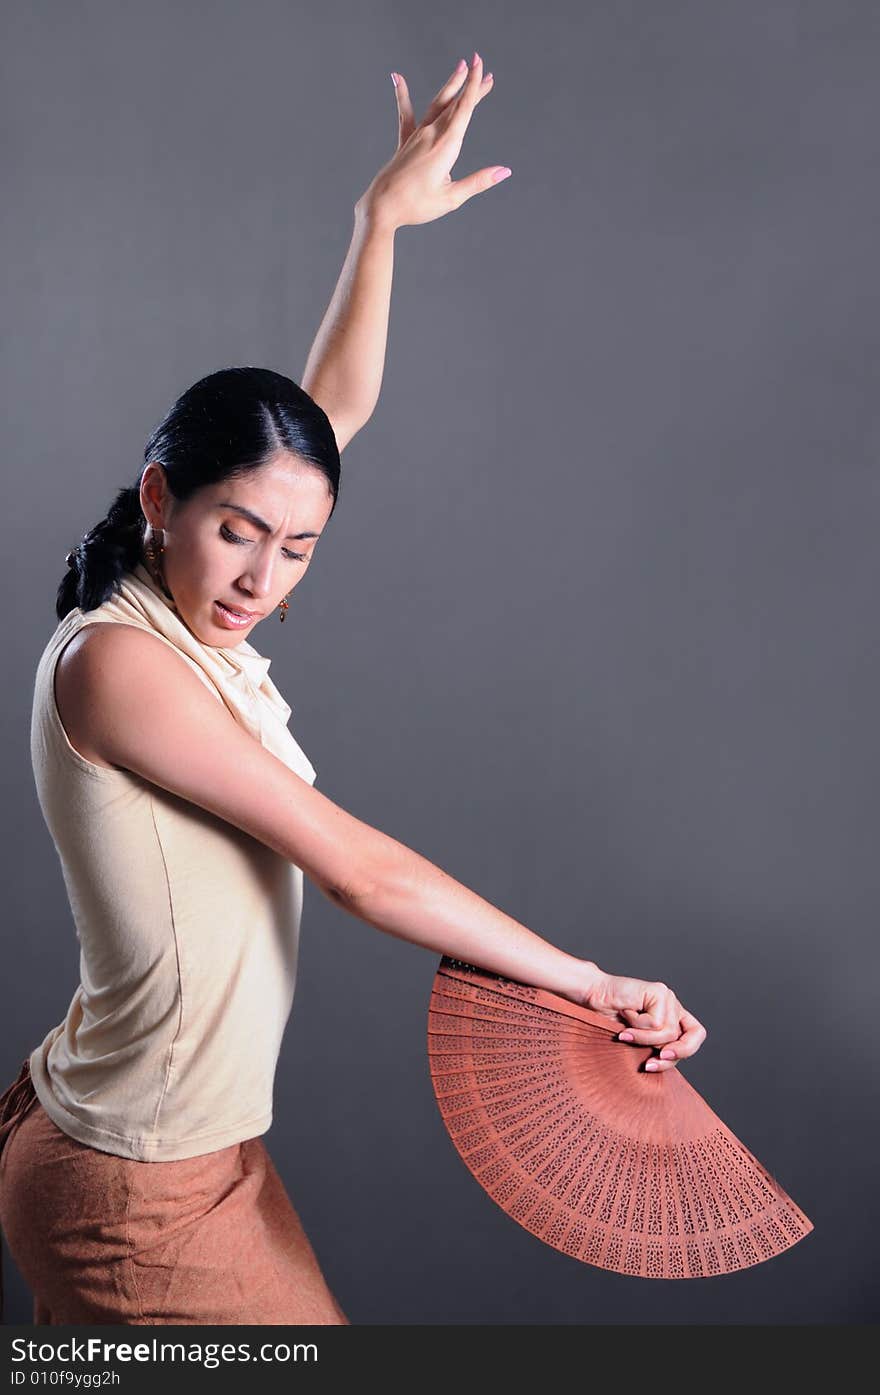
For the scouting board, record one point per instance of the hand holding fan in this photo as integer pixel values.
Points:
(615, 1166)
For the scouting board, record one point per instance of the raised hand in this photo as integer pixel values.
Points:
(416, 186)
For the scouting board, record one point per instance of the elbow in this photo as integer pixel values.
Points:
(357, 893)
(368, 872)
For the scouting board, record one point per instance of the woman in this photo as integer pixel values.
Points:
(134, 1183)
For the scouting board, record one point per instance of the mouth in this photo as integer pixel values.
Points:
(233, 617)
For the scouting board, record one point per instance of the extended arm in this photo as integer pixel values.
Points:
(344, 369)
(125, 694)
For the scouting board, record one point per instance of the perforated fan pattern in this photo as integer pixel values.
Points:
(615, 1166)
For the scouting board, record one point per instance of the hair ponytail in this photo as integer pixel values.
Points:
(99, 560)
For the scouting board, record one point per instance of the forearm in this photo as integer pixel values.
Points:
(343, 372)
(417, 901)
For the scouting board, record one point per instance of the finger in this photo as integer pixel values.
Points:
(406, 121)
(683, 1037)
(641, 1036)
(453, 82)
(463, 189)
(455, 117)
(654, 1028)
(667, 1060)
(659, 1007)
(443, 99)
(439, 117)
(451, 86)
(637, 1015)
(655, 1066)
(651, 1021)
(691, 1039)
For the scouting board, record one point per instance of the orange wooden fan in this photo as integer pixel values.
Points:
(616, 1166)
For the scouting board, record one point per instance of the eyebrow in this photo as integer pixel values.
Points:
(261, 523)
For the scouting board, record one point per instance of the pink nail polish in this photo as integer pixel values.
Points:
(394, 78)
(500, 174)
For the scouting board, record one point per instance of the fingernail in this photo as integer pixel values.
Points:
(625, 1036)
(667, 1054)
(652, 1065)
(394, 78)
(460, 64)
(477, 59)
(501, 174)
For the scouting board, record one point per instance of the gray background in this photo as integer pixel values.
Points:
(594, 627)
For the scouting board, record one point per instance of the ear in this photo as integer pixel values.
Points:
(155, 494)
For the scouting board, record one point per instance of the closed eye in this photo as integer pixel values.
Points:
(229, 536)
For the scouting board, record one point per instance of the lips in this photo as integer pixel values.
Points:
(237, 610)
(231, 619)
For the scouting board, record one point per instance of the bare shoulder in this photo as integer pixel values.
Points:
(109, 668)
(102, 639)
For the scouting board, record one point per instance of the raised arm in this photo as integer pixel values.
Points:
(343, 372)
(344, 369)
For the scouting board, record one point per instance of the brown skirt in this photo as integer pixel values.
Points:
(105, 1239)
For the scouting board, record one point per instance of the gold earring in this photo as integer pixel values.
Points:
(282, 606)
(153, 552)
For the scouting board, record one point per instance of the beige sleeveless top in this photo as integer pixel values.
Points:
(188, 928)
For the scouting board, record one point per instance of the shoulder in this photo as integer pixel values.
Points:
(112, 675)
(111, 650)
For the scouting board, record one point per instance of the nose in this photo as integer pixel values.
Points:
(258, 579)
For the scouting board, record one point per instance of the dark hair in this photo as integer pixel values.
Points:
(222, 427)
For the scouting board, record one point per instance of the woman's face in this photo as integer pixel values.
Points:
(244, 543)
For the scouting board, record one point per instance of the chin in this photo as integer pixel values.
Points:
(227, 639)
(215, 636)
